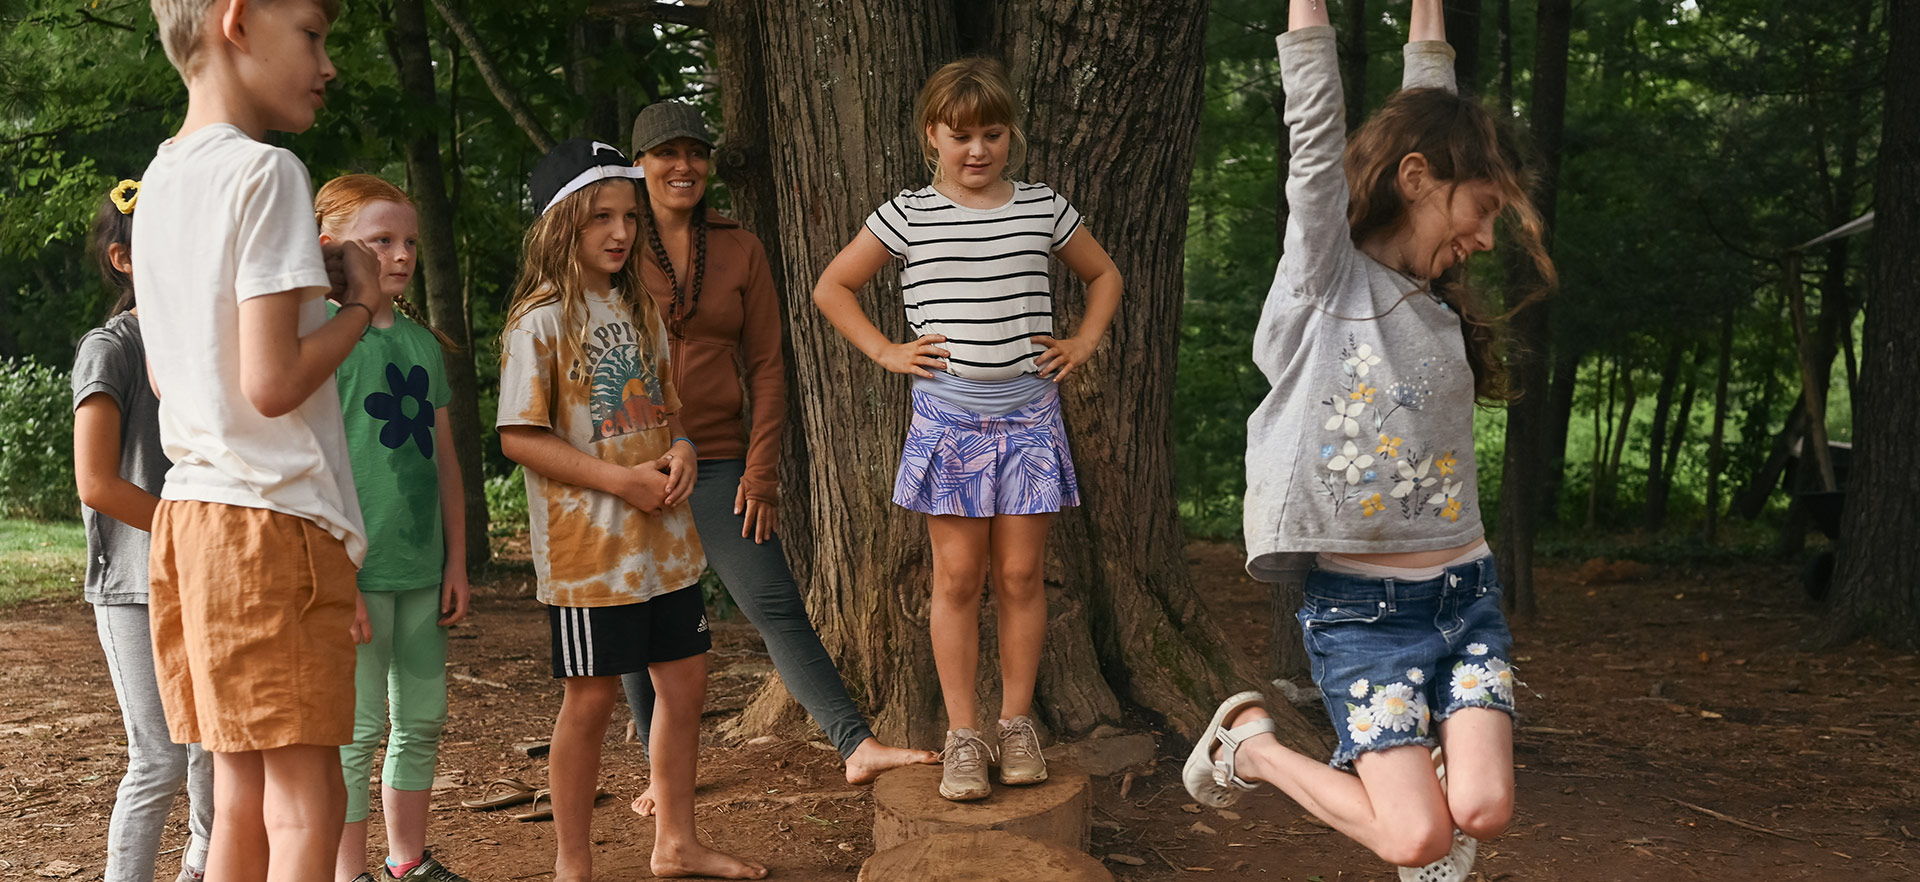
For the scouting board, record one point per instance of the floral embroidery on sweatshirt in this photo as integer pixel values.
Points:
(1372, 454)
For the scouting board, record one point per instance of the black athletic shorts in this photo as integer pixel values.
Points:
(607, 641)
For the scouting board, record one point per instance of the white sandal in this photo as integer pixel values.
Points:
(1459, 860)
(1213, 782)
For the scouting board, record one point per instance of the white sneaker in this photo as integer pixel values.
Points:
(1452, 868)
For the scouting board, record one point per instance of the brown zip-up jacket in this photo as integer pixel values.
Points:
(727, 356)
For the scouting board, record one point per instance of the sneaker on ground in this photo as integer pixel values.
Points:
(1020, 758)
(963, 766)
(428, 870)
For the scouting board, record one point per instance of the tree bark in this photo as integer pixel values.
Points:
(439, 262)
(1874, 592)
(1463, 31)
(1527, 418)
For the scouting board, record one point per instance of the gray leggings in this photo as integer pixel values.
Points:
(155, 765)
(761, 584)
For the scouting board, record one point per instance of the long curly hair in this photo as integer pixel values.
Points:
(1462, 142)
(340, 201)
(550, 273)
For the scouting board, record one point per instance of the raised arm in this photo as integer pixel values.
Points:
(1429, 60)
(1317, 245)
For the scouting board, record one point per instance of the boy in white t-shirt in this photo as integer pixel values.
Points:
(258, 532)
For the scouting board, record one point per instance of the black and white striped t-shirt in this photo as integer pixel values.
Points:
(978, 276)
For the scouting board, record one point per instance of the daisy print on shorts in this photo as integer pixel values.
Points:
(1500, 679)
(1393, 708)
(1469, 682)
(1416, 676)
(1360, 725)
(1359, 688)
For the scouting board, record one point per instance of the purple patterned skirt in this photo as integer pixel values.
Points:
(958, 462)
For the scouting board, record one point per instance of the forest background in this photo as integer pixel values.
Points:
(1688, 146)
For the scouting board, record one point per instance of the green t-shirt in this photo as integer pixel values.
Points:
(390, 388)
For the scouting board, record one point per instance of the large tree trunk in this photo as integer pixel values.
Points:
(1524, 465)
(1874, 592)
(439, 264)
(1125, 620)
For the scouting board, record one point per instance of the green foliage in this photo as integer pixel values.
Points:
(507, 503)
(36, 442)
(41, 561)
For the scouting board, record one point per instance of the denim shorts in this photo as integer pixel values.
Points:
(1392, 659)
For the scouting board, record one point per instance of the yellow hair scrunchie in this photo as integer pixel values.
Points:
(124, 195)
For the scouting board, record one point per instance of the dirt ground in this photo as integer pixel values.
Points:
(1678, 726)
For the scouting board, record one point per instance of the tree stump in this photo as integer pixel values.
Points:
(907, 805)
(981, 856)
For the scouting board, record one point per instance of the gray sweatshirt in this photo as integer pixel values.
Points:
(1365, 443)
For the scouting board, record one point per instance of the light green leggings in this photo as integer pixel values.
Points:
(401, 676)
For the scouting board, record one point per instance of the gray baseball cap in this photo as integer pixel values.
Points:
(665, 121)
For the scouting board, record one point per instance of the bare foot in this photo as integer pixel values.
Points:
(871, 758)
(695, 859)
(643, 804)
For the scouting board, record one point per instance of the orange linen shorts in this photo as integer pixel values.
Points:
(251, 610)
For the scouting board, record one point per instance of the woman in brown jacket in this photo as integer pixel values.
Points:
(711, 282)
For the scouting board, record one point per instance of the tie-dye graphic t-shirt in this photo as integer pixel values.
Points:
(591, 548)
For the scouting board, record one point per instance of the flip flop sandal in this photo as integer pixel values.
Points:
(1213, 782)
(542, 807)
(501, 793)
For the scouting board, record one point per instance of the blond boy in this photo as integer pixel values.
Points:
(258, 532)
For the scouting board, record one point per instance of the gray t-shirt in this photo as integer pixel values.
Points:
(1365, 443)
(112, 361)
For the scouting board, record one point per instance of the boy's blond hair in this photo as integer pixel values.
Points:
(180, 22)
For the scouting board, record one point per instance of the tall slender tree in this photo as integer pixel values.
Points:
(1524, 466)
(412, 56)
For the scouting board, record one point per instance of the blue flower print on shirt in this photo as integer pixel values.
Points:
(406, 411)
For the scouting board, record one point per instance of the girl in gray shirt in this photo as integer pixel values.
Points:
(118, 463)
(1360, 461)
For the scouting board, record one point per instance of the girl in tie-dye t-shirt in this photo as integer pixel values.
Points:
(587, 406)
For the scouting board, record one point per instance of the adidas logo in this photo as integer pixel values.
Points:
(703, 626)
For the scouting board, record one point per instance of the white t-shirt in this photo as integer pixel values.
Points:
(223, 218)
(979, 277)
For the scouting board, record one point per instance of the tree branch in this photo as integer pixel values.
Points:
(516, 106)
(694, 14)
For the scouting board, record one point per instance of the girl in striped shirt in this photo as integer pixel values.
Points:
(986, 456)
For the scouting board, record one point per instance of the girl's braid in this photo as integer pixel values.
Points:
(407, 308)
